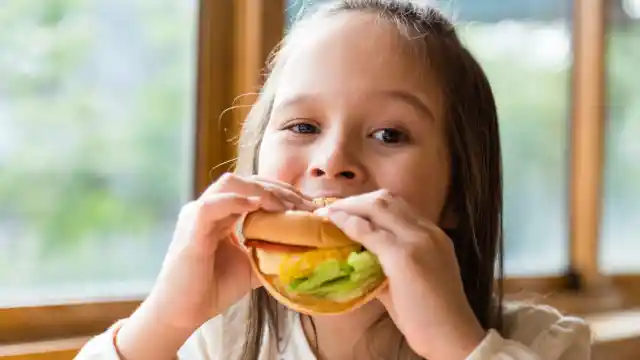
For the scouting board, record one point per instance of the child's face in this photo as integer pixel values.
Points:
(355, 111)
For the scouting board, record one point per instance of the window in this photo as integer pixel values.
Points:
(525, 49)
(621, 209)
(96, 109)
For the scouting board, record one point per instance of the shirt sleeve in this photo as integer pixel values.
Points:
(101, 347)
(198, 347)
(220, 338)
(537, 333)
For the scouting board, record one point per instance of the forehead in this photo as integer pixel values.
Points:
(351, 55)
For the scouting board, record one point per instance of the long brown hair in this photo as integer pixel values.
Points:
(475, 193)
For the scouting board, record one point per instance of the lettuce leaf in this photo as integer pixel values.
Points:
(341, 281)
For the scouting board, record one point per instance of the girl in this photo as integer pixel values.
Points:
(378, 103)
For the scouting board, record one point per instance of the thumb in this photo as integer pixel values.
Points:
(253, 278)
(387, 301)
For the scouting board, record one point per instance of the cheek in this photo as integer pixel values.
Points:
(423, 181)
(275, 162)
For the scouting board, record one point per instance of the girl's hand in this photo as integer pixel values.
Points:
(205, 270)
(425, 297)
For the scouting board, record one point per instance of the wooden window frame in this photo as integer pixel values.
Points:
(234, 40)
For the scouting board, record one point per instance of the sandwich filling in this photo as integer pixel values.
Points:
(338, 274)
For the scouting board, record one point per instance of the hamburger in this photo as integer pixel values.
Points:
(308, 264)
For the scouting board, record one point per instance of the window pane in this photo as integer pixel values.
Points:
(621, 215)
(526, 54)
(525, 49)
(95, 122)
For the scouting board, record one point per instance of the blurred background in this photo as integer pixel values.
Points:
(98, 115)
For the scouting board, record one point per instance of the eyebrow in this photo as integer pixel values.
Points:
(401, 95)
(410, 99)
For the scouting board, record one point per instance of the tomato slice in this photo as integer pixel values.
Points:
(273, 247)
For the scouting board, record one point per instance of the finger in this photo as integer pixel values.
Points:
(235, 241)
(385, 298)
(361, 230)
(378, 207)
(216, 208)
(291, 197)
(220, 207)
(233, 183)
(211, 220)
(281, 184)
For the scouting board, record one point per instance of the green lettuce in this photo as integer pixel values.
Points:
(341, 281)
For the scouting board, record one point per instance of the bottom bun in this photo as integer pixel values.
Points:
(310, 305)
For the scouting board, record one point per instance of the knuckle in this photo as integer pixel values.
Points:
(201, 211)
(188, 210)
(255, 185)
(226, 179)
(203, 208)
(188, 219)
(267, 188)
(269, 193)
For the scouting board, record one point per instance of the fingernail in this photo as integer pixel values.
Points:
(255, 200)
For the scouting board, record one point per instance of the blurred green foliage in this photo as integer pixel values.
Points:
(96, 105)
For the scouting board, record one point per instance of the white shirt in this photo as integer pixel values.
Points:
(531, 333)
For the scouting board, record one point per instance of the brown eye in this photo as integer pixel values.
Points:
(390, 136)
(303, 128)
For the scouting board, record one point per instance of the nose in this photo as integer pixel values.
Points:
(338, 160)
(345, 174)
